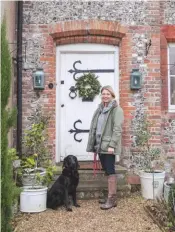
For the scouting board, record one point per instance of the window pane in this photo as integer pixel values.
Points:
(172, 93)
(172, 60)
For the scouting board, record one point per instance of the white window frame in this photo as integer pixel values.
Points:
(171, 108)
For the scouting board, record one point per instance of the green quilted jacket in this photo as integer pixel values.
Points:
(111, 132)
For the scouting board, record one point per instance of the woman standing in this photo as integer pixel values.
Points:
(105, 139)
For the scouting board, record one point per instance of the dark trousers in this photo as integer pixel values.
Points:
(108, 163)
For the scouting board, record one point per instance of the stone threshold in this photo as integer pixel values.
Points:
(87, 167)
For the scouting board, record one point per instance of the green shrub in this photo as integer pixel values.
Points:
(8, 187)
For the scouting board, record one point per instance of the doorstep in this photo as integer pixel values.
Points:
(94, 185)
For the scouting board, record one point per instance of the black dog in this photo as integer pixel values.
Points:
(65, 185)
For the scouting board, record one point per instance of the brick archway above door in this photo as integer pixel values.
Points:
(74, 32)
(88, 31)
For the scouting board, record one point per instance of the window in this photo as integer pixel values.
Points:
(171, 77)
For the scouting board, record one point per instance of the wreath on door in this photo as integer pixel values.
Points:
(88, 86)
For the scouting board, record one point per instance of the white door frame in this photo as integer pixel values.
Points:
(80, 48)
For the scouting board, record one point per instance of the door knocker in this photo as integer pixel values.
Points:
(73, 92)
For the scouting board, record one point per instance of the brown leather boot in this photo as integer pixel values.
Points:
(110, 203)
(111, 200)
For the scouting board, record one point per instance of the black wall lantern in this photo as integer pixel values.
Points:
(136, 79)
(38, 79)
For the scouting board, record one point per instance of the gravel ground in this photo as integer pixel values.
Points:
(128, 216)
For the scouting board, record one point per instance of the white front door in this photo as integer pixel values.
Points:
(73, 116)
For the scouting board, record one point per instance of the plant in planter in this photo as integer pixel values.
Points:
(150, 161)
(36, 168)
(38, 178)
(35, 146)
(29, 169)
(33, 198)
(88, 86)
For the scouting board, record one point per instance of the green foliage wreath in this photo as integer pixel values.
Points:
(88, 86)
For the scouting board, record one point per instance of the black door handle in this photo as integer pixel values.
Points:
(62, 105)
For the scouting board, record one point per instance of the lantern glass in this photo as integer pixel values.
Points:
(135, 79)
(38, 79)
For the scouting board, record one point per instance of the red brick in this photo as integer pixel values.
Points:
(133, 178)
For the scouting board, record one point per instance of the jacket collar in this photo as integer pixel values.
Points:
(111, 105)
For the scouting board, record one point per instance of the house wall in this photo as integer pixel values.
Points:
(8, 10)
(167, 34)
(168, 119)
(47, 24)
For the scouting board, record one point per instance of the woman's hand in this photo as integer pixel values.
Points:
(110, 150)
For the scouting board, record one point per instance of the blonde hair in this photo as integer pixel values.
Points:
(108, 88)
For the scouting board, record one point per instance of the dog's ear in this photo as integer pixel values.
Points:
(65, 164)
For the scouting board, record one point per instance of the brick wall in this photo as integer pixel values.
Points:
(128, 25)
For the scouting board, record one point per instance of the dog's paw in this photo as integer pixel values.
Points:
(77, 205)
(69, 209)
